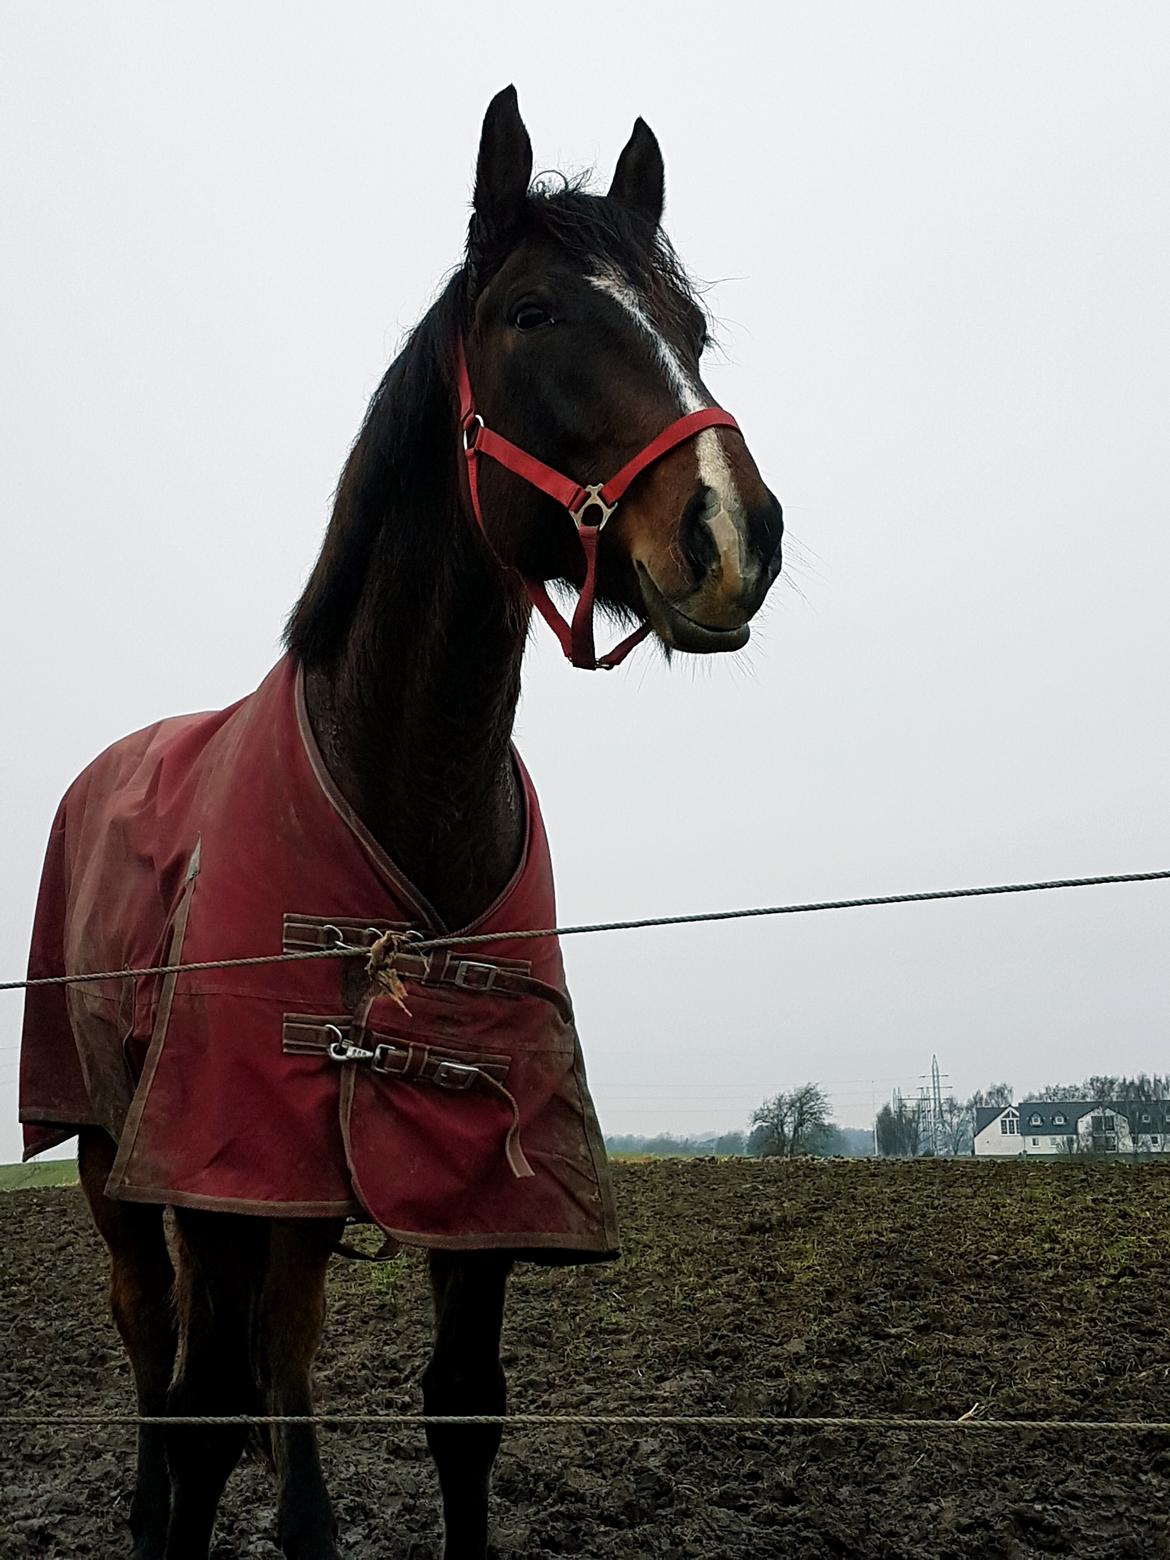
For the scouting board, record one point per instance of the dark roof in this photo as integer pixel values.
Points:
(1072, 1111)
(1048, 1110)
(986, 1114)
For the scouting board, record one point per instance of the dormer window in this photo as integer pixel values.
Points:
(1035, 1121)
(1060, 1119)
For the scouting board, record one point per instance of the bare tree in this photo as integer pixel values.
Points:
(898, 1131)
(1142, 1088)
(793, 1123)
(995, 1096)
(958, 1127)
(1104, 1086)
(1108, 1086)
(1059, 1091)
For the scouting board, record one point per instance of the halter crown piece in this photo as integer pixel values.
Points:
(590, 507)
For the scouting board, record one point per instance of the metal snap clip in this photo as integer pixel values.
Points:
(341, 1050)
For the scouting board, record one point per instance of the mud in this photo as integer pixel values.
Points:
(844, 1288)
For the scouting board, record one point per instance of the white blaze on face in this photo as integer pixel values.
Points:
(725, 516)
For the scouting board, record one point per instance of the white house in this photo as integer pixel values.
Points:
(1048, 1127)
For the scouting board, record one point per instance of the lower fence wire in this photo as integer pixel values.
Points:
(965, 1422)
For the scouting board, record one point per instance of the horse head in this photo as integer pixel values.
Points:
(583, 342)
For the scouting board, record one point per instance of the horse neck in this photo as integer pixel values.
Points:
(414, 713)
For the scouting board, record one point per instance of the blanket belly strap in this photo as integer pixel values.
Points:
(307, 1034)
(408, 1061)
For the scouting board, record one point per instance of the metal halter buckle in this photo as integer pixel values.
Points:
(592, 500)
(455, 1075)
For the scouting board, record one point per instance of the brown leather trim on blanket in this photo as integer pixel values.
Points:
(117, 1185)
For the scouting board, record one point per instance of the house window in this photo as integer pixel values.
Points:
(1035, 1142)
(1146, 1116)
(1154, 1139)
(1007, 1124)
(1035, 1121)
(1059, 1121)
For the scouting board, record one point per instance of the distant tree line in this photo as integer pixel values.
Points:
(787, 1124)
(665, 1145)
(1107, 1086)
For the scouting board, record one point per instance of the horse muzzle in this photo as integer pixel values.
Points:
(702, 596)
(678, 629)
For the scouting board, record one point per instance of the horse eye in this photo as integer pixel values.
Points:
(530, 316)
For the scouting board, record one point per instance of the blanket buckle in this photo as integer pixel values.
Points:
(455, 1075)
(485, 975)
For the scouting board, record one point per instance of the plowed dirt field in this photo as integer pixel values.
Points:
(832, 1287)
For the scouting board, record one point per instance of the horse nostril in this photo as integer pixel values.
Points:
(765, 531)
(694, 535)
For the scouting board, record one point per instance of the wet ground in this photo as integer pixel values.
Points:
(834, 1287)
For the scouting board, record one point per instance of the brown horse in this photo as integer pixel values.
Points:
(582, 339)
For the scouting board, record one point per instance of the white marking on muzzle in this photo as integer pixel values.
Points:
(728, 523)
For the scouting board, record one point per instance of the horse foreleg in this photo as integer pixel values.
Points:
(292, 1314)
(141, 1285)
(220, 1261)
(465, 1376)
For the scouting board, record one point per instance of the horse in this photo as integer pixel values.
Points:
(568, 340)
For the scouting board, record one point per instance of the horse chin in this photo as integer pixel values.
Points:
(680, 632)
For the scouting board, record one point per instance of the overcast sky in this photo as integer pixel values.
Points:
(939, 239)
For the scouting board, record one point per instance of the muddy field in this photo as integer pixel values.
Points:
(820, 1288)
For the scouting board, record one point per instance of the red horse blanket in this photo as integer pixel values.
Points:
(300, 1089)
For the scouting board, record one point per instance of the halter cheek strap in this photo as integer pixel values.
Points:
(589, 507)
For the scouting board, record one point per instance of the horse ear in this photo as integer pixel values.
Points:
(503, 170)
(639, 180)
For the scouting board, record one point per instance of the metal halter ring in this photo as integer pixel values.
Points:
(592, 500)
(471, 432)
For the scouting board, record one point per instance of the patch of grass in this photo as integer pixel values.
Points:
(20, 1178)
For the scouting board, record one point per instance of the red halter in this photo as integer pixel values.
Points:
(576, 640)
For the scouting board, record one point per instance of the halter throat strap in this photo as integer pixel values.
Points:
(590, 507)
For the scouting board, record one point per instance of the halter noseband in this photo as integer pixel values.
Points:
(589, 506)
